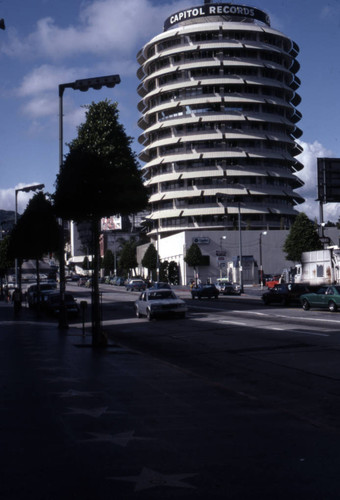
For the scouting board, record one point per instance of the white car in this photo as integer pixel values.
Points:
(160, 302)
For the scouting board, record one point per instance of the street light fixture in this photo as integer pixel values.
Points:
(221, 239)
(83, 85)
(25, 189)
(263, 233)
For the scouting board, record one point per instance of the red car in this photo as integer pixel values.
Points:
(273, 281)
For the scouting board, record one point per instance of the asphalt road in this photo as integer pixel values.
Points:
(283, 357)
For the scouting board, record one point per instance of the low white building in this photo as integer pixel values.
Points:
(222, 250)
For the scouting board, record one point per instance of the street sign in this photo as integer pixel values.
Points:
(201, 240)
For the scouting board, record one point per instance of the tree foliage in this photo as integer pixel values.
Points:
(5, 261)
(36, 232)
(127, 257)
(150, 259)
(100, 175)
(173, 273)
(164, 271)
(193, 256)
(302, 237)
(108, 262)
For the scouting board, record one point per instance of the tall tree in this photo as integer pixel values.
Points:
(36, 232)
(302, 237)
(150, 260)
(99, 177)
(127, 258)
(108, 262)
(173, 273)
(193, 258)
(164, 271)
(5, 261)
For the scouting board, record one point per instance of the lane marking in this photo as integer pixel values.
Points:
(323, 320)
(232, 322)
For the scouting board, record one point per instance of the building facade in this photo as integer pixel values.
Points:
(218, 101)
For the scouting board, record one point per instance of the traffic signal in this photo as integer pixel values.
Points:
(2, 24)
(96, 83)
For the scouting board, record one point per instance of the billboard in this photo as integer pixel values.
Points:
(329, 180)
(112, 223)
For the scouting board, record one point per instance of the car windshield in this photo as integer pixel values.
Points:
(163, 295)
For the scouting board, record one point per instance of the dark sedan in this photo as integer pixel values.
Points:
(285, 294)
(51, 303)
(204, 291)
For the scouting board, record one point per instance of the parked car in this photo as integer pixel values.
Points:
(327, 297)
(136, 285)
(160, 302)
(51, 303)
(201, 291)
(116, 280)
(32, 292)
(159, 284)
(226, 287)
(285, 293)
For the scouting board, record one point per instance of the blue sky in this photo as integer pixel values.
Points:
(47, 43)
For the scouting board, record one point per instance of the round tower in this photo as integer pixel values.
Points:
(218, 102)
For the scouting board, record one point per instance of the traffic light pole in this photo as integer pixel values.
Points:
(63, 323)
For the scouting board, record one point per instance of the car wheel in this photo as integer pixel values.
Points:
(216, 296)
(138, 314)
(181, 315)
(192, 296)
(332, 306)
(305, 305)
(199, 297)
(148, 314)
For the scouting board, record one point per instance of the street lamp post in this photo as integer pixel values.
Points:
(263, 233)
(222, 255)
(83, 85)
(26, 189)
(240, 246)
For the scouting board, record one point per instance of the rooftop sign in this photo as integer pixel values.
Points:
(216, 9)
(329, 180)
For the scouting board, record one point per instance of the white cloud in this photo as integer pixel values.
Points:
(309, 176)
(46, 78)
(7, 197)
(104, 26)
(104, 39)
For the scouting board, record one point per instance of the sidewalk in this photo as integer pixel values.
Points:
(78, 423)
